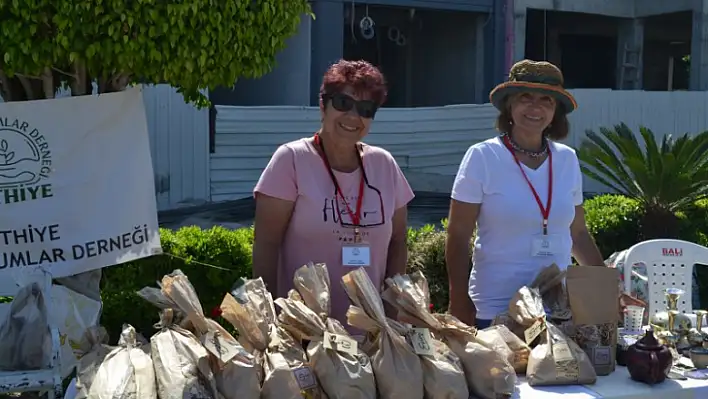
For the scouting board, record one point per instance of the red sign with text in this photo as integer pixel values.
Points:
(672, 252)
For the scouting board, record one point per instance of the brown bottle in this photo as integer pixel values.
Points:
(648, 361)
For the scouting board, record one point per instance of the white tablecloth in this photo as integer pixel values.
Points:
(618, 385)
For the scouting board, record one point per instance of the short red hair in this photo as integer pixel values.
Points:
(361, 76)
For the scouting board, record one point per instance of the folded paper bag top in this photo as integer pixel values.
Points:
(593, 295)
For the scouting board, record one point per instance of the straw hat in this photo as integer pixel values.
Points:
(537, 77)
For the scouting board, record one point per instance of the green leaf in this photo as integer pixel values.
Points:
(191, 45)
(668, 177)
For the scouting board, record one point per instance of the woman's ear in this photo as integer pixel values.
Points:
(322, 111)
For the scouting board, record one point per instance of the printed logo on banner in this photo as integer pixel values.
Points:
(25, 162)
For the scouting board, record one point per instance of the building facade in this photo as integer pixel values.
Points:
(433, 52)
(619, 44)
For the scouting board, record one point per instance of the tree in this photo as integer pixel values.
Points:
(189, 44)
(665, 179)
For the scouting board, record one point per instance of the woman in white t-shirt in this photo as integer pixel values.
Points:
(523, 192)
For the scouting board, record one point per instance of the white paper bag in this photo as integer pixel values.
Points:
(126, 373)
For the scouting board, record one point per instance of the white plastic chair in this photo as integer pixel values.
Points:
(47, 380)
(669, 264)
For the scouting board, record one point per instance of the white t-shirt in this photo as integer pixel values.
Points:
(510, 218)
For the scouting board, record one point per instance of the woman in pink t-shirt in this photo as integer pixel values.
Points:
(332, 199)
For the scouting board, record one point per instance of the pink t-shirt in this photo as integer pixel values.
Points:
(296, 173)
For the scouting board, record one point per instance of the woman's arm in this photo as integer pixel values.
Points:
(275, 194)
(584, 250)
(462, 222)
(397, 259)
(272, 219)
(397, 250)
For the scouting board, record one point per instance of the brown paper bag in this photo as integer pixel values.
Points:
(232, 365)
(343, 370)
(396, 367)
(520, 351)
(287, 372)
(484, 356)
(593, 293)
(443, 375)
(555, 359)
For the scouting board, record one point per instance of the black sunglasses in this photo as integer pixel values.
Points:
(344, 103)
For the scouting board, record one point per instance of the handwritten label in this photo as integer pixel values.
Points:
(305, 378)
(562, 353)
(421, 341)
(534, 331)
(601, 356)
(569, 374)
(219, 346)
(340, 343)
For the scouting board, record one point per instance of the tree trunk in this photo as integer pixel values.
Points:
(659, 222)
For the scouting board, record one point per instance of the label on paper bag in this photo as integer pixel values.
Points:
(305, 378)
(421, 341)
(562, 353)
(601, 356)
(566, 366)
(222, 348)
(340, 343)
(534, 331)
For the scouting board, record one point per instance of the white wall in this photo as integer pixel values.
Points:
(429, 143)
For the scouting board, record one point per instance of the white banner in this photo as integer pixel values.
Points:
(77, 191)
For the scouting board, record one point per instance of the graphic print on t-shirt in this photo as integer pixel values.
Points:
(336, 214)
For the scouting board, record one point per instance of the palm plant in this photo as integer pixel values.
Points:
(665, 179)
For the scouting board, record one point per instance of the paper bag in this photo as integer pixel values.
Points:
(181, 363)
(593, 295)
(286, 372)
(125, 373)
(443, 374)
(520, 351)
(236, 370)
(25, 338)
(92, 350)
(484, 356)
(74, 314)
(555, 359)
(343, 370)
(396, 367)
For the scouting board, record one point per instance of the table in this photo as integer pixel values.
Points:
(617, 385)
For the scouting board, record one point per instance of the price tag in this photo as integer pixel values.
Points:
(421, 341)
(305, 378)
(534, 331)
(340, 343)
(561, 352)
(224, 349)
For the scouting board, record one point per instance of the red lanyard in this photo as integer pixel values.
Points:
(356, 216)
(545, 211)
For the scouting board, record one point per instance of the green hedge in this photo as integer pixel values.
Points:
(229, 250)
(613, 220)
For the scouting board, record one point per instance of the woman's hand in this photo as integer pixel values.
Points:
(463, 310)
(628, 300)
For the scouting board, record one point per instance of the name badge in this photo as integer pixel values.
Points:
(358, 255)
(544, 245)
